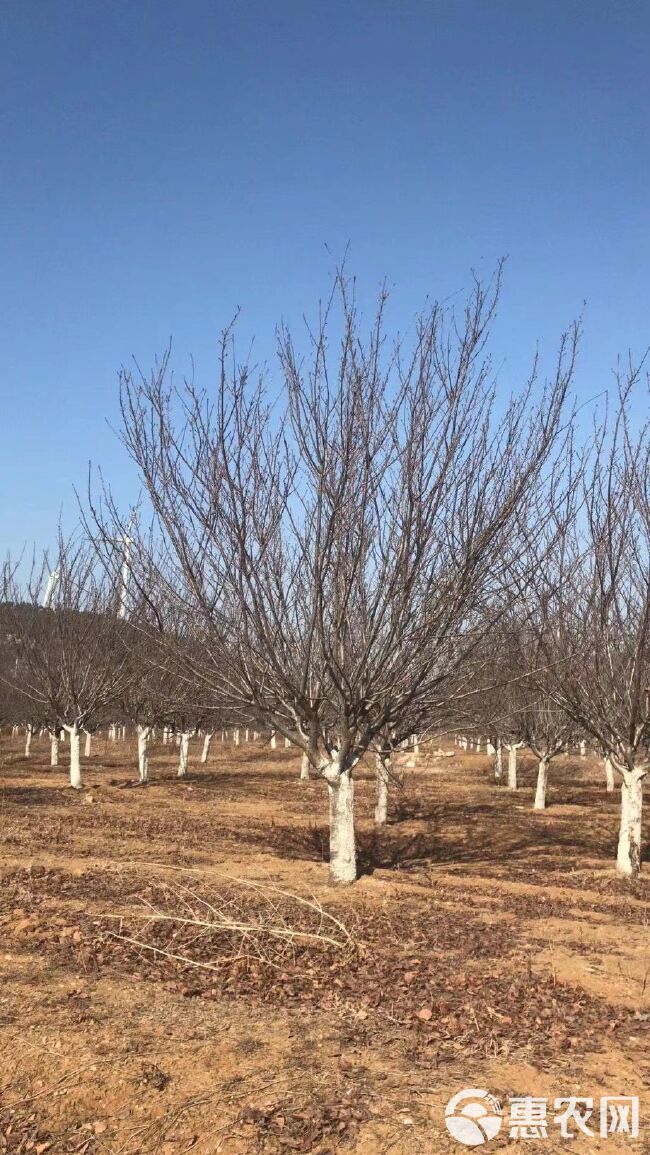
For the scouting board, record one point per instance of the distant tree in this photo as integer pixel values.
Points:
(70, 658)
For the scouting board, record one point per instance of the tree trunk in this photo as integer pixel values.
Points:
(382, 766)
(628, 858)
(583, 749)
(498, 761)
(87, 744)
(75, 756)
(512, 767)
(236, 737)
(609, 775)
(184, 742)
(54, 749)
(143, 753)
(273, 741)
(304, 769)
(542, 780)
(343, 853)
(28, 741)
(206, 747)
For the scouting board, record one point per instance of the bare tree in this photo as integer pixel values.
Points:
(336, 536)
(592, 609)
(69, 656)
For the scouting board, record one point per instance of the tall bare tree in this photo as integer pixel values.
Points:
(592, 606)
(336, 532)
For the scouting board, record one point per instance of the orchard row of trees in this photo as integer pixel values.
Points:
(376, 545)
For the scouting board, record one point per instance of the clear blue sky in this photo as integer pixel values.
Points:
(164, 161)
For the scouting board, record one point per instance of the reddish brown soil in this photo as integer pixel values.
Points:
(484, 946)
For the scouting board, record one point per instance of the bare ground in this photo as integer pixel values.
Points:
(484, 946)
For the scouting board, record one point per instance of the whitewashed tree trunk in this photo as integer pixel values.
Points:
(287, 743)
(583, 749)
(75, 756)
(416, 744)
(609, 776)
(164, 735)
(490, 748)
(54, 748)
(273, 741)
(343, 853)
(382, 766)
(236, 737)
(304, 769)
(143, 733)
(184, 742)
(512, 767)
(542, 781)
(246, 736)
(206, 746)
(498, 761)
(87, 744)
(628, 858)
(28, 741)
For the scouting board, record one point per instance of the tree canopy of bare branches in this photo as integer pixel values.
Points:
(335, 534)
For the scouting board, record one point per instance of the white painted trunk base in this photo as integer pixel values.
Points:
(88, 744)
(75, 757)
(542, 782)
(343, 853)
(143, 753)
(609, 776)
(54, 750)
(512, 768)
(304, 769)
(184, 743)
(206, 747)
(382, 767)
(498, 762)
(628, 858)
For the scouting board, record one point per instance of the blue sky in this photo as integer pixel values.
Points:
(164, 162)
